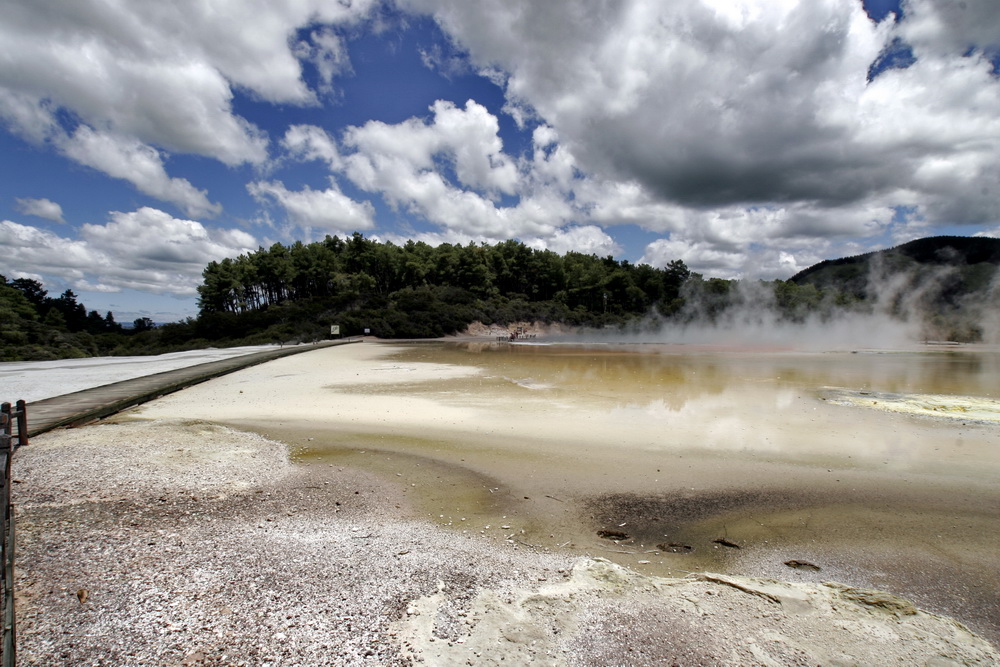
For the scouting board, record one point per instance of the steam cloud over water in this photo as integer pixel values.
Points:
(759, 326)
(896, 309)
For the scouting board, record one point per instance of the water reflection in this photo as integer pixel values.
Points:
(670, 398)
(558, 418)
(637, 368)
(686, 445)
(679, 444)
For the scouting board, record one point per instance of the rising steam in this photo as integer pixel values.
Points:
(893, 308)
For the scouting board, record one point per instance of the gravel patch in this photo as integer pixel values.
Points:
(179, 543)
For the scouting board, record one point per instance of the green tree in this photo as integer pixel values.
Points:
(142, 324)
(32, 290)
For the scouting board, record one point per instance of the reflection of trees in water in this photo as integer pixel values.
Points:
(638, 377)
(627, 376)
(972, 372)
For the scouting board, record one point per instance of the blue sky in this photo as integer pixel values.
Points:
(750, 138)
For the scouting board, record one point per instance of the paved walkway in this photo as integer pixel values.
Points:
(88, 405)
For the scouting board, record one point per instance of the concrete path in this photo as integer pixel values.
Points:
(81, 407)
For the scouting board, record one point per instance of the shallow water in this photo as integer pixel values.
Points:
(622, 402)
(545, 446)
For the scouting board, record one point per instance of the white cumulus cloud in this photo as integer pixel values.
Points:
(139, 164)
(328, 210)
(40, 208)
(588, 239)
(164, 72)
(146, 249)
(754, 117)
(111, 85)
(309, 142)
(452, 171)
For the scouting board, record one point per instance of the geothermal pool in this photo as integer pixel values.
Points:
(881, 468)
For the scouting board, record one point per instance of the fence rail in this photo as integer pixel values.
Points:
(9, 418)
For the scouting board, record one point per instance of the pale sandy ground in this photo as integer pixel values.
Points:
(167, 539)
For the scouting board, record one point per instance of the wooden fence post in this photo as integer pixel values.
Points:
(8, 418)
(22, 423)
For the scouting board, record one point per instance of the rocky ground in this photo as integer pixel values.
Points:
(185, 543)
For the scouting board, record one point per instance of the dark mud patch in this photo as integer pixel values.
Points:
(616, 535)
(650, 518)
(802, 565)
(726, 543)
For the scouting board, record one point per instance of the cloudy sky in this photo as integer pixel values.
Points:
(141, 140)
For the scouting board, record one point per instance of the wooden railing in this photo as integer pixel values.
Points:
(9, 418)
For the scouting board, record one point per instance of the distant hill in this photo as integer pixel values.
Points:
(950, 282)
(939, 251)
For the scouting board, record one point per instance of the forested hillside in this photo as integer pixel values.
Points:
(951, 282)
(947, 286)
(974, 259)
(35, 326)
(417, 290)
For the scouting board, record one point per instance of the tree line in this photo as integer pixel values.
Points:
(419, 290)
(415, 290)
(36, 326)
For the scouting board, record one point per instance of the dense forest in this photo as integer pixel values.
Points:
(35, 326)
(417, 291)
(296, 292)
